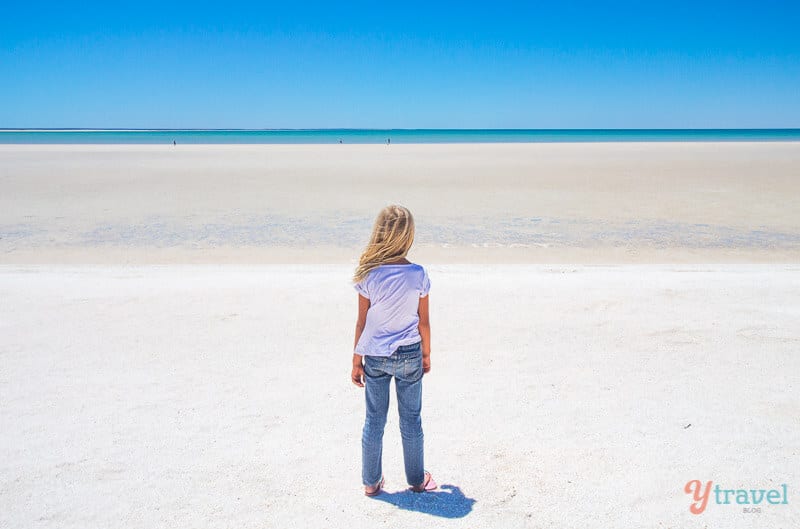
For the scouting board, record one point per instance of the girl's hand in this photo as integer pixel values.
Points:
(357, 376)
(426, 363)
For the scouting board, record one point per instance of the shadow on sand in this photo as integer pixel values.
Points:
(447, 501)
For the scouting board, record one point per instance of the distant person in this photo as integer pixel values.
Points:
(340, 141)
(388, 141)
(393, 339)
(174, 142)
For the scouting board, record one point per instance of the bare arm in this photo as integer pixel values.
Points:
(357, 375)
(425, 332)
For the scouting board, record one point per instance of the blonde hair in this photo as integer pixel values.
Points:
(392, 236)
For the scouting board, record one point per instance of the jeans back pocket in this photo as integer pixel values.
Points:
(412, 366)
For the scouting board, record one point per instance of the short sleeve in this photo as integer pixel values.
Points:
(426, 284)
(361, 288)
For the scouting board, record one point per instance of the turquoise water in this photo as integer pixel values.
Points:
(40, 136)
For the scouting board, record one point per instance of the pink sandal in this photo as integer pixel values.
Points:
(427, 485)
(377, 490)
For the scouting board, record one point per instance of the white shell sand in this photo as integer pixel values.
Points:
(206, 396)
(139, 390)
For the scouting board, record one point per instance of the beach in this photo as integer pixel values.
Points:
(600, 203)
(609, 322)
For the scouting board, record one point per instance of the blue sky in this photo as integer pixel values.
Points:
(170, 64)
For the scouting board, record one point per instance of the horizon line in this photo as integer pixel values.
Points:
(466, 129)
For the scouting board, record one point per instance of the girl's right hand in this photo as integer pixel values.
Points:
(426, 363)
(357, 376)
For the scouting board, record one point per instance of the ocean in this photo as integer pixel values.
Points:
(364, 136)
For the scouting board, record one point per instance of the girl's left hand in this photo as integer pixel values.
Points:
(357, 376)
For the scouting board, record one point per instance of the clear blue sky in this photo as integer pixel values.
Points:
(402, 64)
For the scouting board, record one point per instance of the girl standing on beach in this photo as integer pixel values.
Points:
(393, 339)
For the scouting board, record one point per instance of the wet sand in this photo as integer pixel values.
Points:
(534, 203)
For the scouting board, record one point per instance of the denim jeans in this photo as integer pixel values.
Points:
(405, 364)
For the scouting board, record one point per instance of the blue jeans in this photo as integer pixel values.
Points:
(405, 364)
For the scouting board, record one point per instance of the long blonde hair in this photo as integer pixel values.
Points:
(392, 236)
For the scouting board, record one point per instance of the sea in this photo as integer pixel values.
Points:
(365, 136)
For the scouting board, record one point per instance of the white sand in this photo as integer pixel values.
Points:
(139, 395)
(218, 396)
(534, 203)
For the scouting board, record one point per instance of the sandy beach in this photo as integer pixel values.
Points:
(601, 203)
(219, 396)
(609, 322)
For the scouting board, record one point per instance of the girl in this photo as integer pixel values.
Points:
(393, 339)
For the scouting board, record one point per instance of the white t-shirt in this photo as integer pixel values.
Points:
(392, 319)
